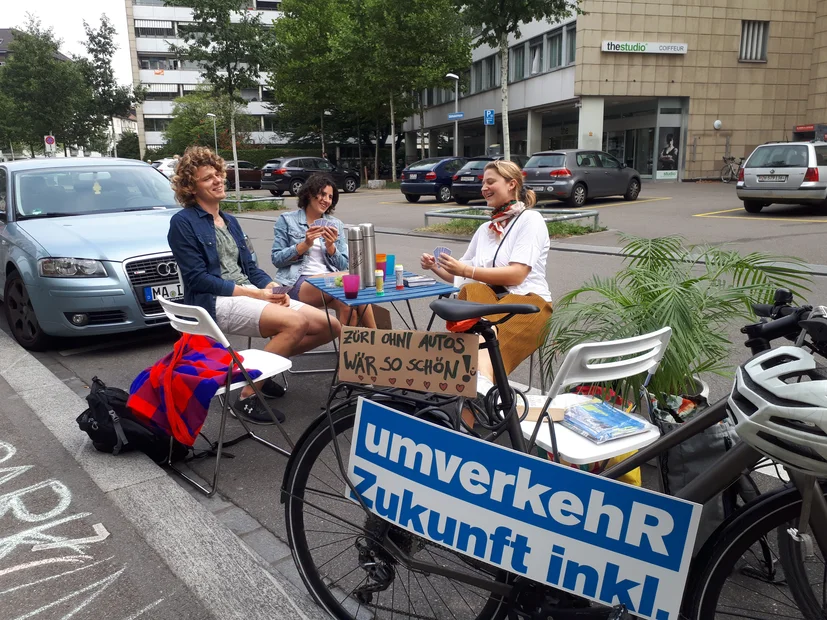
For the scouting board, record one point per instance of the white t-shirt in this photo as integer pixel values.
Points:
(526, 244)
(314, 263)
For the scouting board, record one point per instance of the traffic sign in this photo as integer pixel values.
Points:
(489, 117)
(455, 116)
(49, 141)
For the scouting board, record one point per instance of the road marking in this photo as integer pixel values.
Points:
(630, 203)
(544, 205)
(746, 216)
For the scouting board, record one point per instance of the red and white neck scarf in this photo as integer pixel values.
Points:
(502, 215)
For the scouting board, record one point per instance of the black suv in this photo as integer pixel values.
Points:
(288, 174)
(467, 183)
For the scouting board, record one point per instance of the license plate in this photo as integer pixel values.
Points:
(167, 291)
(772, 178)
(467, 179)
(411, 176)
(268, 174)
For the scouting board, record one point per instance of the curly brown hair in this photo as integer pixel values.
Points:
(314, 186)
(183, 182)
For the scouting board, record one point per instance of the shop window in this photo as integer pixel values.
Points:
(571, 43)
(555, 49)
(535, 56)
(517, 63)
(754, 35)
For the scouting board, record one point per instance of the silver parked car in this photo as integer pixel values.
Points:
(574, 176)
(784, 172)
(83, 244)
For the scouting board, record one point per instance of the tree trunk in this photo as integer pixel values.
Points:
(359, 142)
(235, 159)
(376, 150)
(393, 144)
(422, 128)
(114, 137)
(323, 151)
(504, 88)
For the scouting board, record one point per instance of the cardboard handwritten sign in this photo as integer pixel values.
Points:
(428, 361)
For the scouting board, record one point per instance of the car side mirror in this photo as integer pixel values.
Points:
(622, 165)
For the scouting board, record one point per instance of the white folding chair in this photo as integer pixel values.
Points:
(597, 362)
(197, 321)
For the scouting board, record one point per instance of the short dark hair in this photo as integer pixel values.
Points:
(313, 187)
(669, 137)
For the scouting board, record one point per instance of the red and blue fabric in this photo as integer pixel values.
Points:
(174, 394)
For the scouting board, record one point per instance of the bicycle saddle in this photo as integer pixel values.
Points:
(459, 310)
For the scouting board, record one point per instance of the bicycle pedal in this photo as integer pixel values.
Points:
(805, 540)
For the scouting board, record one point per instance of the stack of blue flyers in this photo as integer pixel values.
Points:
(601, 422)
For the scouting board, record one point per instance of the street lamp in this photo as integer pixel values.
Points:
(455, 77)
(214, 131)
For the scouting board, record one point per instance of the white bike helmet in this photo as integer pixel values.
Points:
(779, 402)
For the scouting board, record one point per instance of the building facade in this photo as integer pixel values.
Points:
(152, 27)
(646, 81)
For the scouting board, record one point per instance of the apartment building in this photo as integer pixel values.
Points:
(152, 27)
(646, 81)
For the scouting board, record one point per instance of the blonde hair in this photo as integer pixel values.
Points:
(184, 181)
(512, 172)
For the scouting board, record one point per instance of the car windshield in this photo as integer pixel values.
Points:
(156, 164)
(425, 164)
(555, 160)
(779, 156)
(475, 164)
(62, 192)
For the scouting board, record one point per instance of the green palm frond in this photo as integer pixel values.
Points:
(696, 290)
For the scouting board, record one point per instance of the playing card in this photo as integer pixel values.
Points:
(320, 223)
(280, 290)
(441, 250)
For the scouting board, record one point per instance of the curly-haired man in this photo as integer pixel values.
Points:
(219, 273)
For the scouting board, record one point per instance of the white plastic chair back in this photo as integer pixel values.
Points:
(193, 320)
(638, 354)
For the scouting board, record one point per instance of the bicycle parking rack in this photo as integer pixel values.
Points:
(557, 215)
(238, 203)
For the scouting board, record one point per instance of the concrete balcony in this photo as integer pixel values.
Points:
(183, 14)
(161, 46)
(169, 76)
(257, 108)
(540, 90)
(157, 108)
(155, 137)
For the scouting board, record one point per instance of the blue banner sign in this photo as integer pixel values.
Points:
(598, 538)
(455, 116)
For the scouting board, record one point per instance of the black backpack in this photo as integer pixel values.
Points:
(113, 428)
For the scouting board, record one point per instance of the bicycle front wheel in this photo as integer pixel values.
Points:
(727, 174)
(742, 577)
(341, 556)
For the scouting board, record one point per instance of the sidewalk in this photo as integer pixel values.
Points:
(88, 535)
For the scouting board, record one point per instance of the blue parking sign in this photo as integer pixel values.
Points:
(489, 117)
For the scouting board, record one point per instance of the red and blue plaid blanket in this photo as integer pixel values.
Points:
(174, 394)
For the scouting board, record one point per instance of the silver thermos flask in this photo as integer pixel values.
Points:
(355, 254)
(368, 255)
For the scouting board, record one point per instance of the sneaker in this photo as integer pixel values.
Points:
(253, 410)
(271, 389)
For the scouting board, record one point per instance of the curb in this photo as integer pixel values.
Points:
(231, 580)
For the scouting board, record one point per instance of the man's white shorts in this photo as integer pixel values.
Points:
(241, 316)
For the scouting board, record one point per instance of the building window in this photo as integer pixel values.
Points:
(489, 72)
(535, 56)
(465, 83)
(477, 76)
(555, 49)
(162, 92)
(153, 28)
(517, 63)
(158, 62)
(571, 43)
(754, 41)
(156, 124)
(270, 123)
(267, 5)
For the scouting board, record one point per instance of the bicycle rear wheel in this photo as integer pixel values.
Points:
(741, 576)
(340, 554)
(727, 174)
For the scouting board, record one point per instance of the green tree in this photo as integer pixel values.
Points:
(494, 20)
(230, 53)
(128, 146)
(191, 125)
(47, 93)
(9, 128)
(109, 98)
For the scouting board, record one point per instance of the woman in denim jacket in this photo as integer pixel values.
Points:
(302, 250)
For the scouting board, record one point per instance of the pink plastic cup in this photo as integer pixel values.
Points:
(350, 283)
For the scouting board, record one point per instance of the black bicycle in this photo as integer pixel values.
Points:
(358, 565)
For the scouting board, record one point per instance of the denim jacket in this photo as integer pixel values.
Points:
(192, 240)
(288, 232)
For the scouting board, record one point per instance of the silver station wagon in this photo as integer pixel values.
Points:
(785, 173)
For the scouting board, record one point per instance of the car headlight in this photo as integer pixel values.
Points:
(71, 268)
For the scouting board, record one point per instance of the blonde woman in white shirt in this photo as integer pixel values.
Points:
(505, 263)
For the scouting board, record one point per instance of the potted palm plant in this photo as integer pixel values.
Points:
(696, 290)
